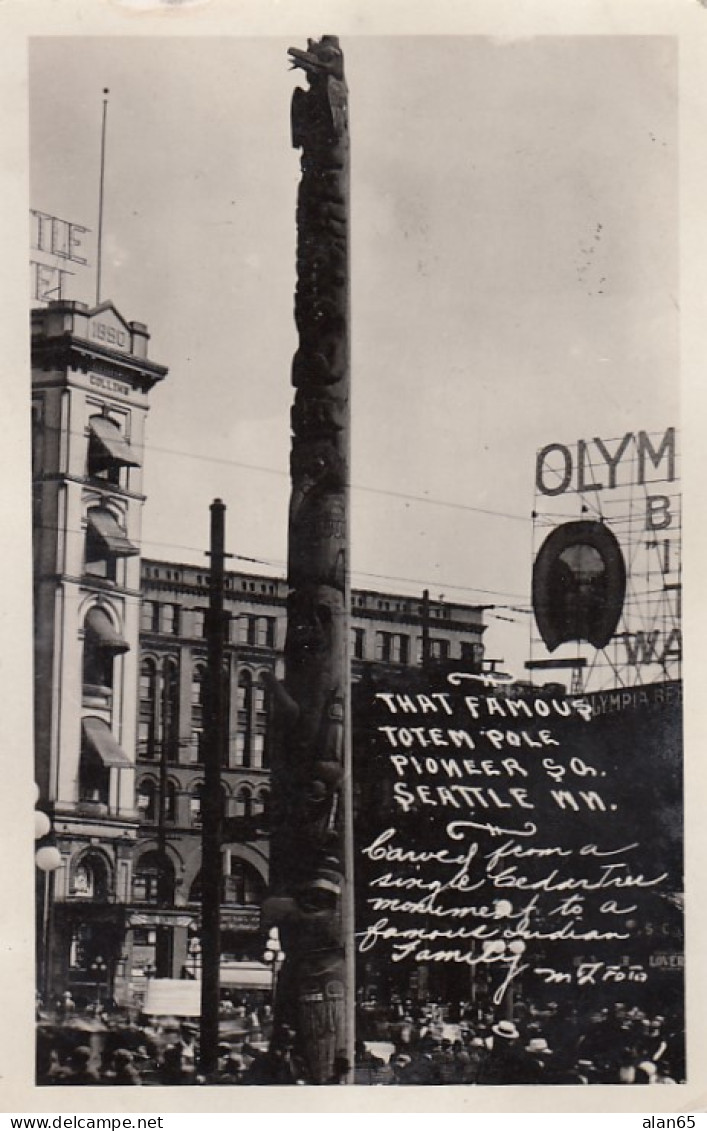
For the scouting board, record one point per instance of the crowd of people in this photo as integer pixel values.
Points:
(618, 1044)
(398, 1043)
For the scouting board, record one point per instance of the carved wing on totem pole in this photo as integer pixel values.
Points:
(308, 778)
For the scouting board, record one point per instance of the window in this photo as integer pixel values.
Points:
(106, 543)
(198, 621)
(147, 800)
(170, 802)
(472, 652)
(147, 722)
(94, 776)
(149, 616)
(102, 643)
(244, 802)
(91, 878)
(198, 688)
(169, 622)
(195, 805)
(38, 434)
(153, 879)
(197, 746)
(392, 647)
(266, 632)
(358, 638)
(248, 630)
(242, 883)
(439, 649)
(108, 450)
(261, 803)
(170, 710)
(258, 750)
(240, 748)
(244, 719)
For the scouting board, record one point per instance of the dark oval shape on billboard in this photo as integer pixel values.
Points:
(579, 584)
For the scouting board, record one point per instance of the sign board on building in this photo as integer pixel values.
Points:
(613, 606)
(58, 252)
(173, 997)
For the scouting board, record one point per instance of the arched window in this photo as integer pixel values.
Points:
(147, 724)
(102, 643)
(244, 802)
(244, 722)
(100, 754)
(170, 710)
(106, 542)
(261, 803)
(91, 878)
(226, 701)
(195, 805)
(153, 879)
(147, 797)
(170, 803)
(198, 689)
(242, 882)
(94, 775)
(259, 745)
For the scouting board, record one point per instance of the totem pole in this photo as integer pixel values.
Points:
(311, 861)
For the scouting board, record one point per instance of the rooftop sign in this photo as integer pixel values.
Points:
(54, 243)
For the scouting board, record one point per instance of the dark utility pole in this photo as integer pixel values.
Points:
(425, 658)
(211, 801)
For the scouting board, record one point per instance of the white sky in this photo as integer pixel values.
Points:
(514, 278)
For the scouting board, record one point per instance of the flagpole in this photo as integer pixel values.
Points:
(100, 197)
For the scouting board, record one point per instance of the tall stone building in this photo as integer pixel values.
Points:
(91, 381)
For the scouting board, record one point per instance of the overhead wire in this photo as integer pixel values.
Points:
(408, 496)
(275, 564)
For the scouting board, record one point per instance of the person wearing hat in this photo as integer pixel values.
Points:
(124, 1070)
(506, 1061)
(539, 1059)
(81, 1070)
(400, 1064)
(646, 1073)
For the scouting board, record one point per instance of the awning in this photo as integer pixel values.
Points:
(104, 525)
(112, 441)
(99, 627)
(100, 739)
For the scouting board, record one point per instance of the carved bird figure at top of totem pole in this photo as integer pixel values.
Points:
(322, 57)
(323, 64)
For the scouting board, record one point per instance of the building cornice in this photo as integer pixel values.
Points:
(69, 352)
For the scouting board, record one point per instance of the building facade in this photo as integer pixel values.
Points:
(91, 381)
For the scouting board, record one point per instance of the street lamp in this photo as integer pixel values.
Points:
(99, 968)
(47, 859)
(195, 952)
(274, 954)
